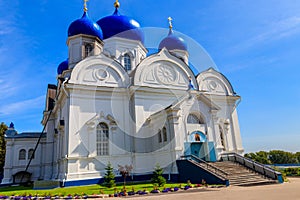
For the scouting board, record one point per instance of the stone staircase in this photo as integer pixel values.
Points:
(239, 175)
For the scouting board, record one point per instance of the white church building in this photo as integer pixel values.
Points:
(115, 102)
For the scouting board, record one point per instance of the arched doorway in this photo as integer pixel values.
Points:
(198, 142)
(22, 177)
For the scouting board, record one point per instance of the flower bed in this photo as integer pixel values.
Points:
(104, 193)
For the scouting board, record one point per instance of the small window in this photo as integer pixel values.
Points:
(127, 62)
(164, 130)
(88, 50)
(31, 153)
(22, 154)
(159, 136)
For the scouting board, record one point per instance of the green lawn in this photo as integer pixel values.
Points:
(88, 190)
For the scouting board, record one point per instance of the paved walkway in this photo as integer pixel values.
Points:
(285, 191)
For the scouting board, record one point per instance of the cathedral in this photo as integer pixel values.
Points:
(115, 102)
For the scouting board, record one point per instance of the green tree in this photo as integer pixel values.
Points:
(297, 155)
(109, 178)
(3, 128)
(158, 178)
(261, 157)
(282, 157)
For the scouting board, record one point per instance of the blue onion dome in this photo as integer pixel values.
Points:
(121, 26)
(62, 67)
(86, 26)
(173, 42)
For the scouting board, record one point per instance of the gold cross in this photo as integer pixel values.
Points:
(85, 5)
(117, 4)
(170, 22)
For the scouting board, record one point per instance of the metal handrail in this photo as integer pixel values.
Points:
(267, 171)
(208, 166)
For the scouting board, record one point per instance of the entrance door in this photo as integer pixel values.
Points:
(198, 150)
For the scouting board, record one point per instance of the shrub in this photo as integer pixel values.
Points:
(157, 178)
(109, 178)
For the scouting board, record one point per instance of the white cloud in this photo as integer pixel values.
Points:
(20, 107)
(275, 30)
(6, 27)
(280, 29)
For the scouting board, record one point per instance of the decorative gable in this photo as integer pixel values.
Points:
(163, 70)
(100, 71)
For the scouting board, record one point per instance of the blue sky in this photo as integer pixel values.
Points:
(256, 44)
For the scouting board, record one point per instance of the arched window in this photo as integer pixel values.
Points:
(159, 137)
(88, 50)
(31, 153)
(164, 130)
(127, 62)
(22, 154)
(193, 119)
(102, 139)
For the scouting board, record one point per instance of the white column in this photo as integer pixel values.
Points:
(217, 137)
(9, 157)
(236, 133)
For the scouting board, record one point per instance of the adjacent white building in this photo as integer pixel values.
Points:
(116, 103)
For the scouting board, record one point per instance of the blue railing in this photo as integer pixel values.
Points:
(205, 165)
(253, 165)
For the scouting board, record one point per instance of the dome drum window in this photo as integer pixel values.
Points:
(88, 50)
(127, 62)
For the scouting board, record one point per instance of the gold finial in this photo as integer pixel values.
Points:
(117, 4)
(85, 5)
(170, 22)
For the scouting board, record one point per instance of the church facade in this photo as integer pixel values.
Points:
(116, 103)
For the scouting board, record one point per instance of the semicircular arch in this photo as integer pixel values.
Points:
(214, 82)
(100, 71)
(163, 70)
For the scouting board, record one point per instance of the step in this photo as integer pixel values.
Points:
(252, 183)
(239, 175)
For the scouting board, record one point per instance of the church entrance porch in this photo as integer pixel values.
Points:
(199, 147)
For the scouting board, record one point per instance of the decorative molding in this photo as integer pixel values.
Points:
(214, 82)
(165, 74)
(100, 117)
